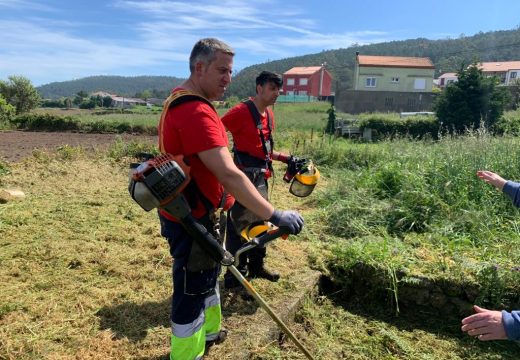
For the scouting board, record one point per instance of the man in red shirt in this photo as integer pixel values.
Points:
(190, 127)
(252, 123)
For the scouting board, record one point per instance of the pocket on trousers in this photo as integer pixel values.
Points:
(200, 282)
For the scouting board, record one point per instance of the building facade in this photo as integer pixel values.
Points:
(393, 73)
(313, 81)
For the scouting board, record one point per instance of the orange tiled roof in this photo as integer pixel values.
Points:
(303, 70)
(500, 66)
(395, 61)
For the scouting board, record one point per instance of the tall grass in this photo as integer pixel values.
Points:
(418, 207)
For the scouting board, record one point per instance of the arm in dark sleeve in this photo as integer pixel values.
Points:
(511, 321)
(512, 189)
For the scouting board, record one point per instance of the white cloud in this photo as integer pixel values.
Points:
(46, 53)
(55, 45)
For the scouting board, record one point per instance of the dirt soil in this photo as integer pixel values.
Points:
(17, 145)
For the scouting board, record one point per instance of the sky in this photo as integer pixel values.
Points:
(58, 40)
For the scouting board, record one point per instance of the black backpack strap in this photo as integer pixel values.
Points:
(255, 114)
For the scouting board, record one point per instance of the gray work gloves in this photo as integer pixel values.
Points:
(288, 219)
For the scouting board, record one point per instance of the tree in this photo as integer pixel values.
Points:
(472, 100)
(330, 129)
(6, 111)
(515, 93)
(107, 101)
(80, 97)
(145, 95)
(20, 93)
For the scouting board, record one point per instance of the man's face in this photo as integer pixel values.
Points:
(215, 77)
(268, 93)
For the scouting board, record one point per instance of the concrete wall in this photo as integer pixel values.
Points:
(356, 102)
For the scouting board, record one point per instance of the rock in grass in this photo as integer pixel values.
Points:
(7, 195)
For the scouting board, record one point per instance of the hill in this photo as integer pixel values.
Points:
(447, 55)
(159, 86)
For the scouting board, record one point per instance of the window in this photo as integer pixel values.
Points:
(370, 82)
(302, 92)
(303, 81)
(419, 84)
(290, 81)
(290, 93)
(395, 80)
(513, 75)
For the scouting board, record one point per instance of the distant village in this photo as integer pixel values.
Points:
(381, 83)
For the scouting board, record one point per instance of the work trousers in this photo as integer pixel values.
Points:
(196, 312)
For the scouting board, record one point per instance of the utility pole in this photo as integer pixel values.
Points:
(322, 70)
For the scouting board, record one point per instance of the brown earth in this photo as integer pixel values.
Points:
(17, 145)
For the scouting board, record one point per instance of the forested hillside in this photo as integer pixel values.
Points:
(159, 86)
(447, 55)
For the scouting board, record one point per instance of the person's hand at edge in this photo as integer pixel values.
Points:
(484, 324)
(492, 178)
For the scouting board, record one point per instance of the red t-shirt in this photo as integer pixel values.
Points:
(188, 129)
(242, 126)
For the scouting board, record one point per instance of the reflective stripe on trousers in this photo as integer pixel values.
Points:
(188, 341)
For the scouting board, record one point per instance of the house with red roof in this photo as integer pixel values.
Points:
(307, 80)
(506, 71)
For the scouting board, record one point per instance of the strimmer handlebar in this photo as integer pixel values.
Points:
(262, 240)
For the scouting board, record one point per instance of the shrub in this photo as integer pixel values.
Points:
(46, 122)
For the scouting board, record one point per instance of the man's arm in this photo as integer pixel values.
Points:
(510, 188)
(218, 160)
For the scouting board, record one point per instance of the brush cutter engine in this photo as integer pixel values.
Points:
(158, 183)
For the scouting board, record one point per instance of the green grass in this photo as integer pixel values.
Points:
(85, 273)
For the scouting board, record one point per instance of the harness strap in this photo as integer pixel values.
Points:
(243, 159)
(192, 191)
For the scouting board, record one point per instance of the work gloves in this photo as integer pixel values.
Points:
(294, 165)
(287, 219)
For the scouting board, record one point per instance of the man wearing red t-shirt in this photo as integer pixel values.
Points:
(190, 127)
(252, 123)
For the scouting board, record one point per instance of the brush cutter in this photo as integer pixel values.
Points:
(158, 182)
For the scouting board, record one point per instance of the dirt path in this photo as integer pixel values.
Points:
(16, 145)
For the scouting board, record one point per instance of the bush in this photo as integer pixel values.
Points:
(46, 122)
(418, 127)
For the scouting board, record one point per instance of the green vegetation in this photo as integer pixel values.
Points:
(472, 101)
(446, 54)
(157, 86)
(7, 112)
(20, 93)
(406, 234)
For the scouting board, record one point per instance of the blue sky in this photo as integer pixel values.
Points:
(54, 40)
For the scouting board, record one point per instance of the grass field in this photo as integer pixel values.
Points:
(85, 274)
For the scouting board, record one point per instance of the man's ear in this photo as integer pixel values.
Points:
(199, 67)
